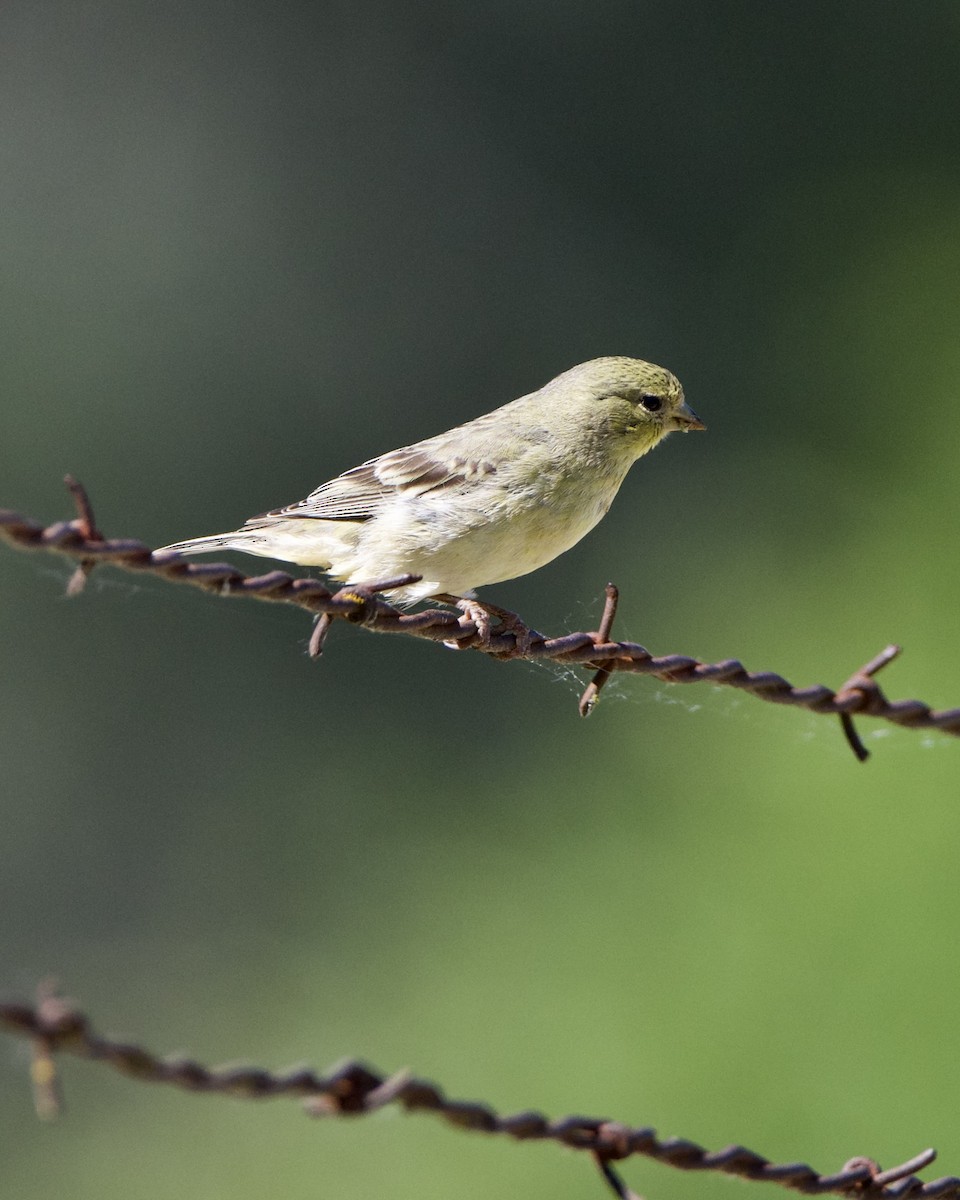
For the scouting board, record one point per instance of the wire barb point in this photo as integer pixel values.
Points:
(862, 684)
(86, 526)
(588, 701)
(613, 1179)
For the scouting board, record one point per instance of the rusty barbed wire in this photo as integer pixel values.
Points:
(81, 540)
(54, 1026)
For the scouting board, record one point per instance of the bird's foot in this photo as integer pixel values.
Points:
(482, 613)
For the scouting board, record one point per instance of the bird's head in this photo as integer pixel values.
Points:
(636, 401)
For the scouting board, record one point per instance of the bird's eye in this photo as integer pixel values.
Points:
(652, 403)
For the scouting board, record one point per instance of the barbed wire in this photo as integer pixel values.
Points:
(53, 1026)
(81, 540)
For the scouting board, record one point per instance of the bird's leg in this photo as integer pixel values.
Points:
(480, 612)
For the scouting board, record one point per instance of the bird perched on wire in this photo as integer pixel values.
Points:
(487, 501)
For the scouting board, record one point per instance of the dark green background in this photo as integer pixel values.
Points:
(245, 246)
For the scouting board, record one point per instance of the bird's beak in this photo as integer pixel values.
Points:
(686, 419)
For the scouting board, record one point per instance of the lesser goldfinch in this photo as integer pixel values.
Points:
(487, 501)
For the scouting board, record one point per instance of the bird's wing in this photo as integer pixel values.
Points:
(359, 493)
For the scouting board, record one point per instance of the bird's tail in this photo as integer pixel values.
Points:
(204, 545)
(306, 542)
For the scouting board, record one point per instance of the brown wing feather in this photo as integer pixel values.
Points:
(357, 494)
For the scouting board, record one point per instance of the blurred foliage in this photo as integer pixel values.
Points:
(248, 245)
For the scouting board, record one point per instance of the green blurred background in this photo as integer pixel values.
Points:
(247, 245)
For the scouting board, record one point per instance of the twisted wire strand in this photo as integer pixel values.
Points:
(352, 1088)
(860, 695)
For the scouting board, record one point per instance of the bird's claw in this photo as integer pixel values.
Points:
(482, 613)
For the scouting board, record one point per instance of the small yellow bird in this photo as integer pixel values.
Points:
(486, 501)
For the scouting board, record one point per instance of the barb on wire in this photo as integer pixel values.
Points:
(509, 638)
(353, 1089)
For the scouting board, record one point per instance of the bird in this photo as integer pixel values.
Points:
(487, 501)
